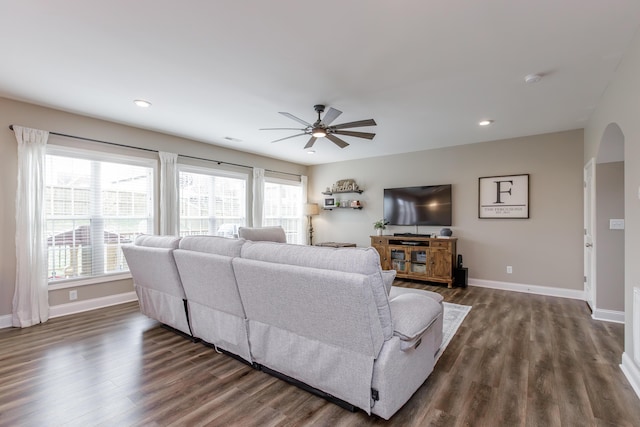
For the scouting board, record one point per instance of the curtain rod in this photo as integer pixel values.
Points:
(220, 162)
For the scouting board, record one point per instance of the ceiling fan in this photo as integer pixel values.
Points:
(322, 128)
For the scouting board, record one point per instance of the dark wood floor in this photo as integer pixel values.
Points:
(517, 360)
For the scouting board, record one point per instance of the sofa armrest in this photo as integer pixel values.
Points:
(388, 276)
(412, 315)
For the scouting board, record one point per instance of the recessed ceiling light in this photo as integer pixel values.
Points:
(142, 103)
(532, 78)
(485, 122)
(311, 152)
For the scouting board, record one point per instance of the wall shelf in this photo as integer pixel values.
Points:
(330, 193)
(342, 207)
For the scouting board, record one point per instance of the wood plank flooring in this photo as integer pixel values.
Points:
(517, 360)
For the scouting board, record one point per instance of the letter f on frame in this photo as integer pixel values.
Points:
(499, 190)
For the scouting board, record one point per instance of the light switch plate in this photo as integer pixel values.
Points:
(616, 224)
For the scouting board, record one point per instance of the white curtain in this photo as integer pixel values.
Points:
(169, 209)
(31, 296)
(302, 229)
(258, 196)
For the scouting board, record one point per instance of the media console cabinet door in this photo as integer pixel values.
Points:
(399, 257)
(440, 263)
(380, 245)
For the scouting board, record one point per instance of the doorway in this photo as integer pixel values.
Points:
(604, 228)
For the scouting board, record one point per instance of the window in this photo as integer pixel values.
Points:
(212, 202)
(283, 206)
(93, 205)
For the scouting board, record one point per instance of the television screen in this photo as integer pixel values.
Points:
(425, 205)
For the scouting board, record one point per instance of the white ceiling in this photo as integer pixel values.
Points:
(427, 71)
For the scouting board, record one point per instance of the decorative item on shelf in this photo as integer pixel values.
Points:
(311, 209)
(346, 185)
(446, 232)
(343, 186)
(380, 225)
(356, 204)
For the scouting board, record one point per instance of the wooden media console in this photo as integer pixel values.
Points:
(418, 257)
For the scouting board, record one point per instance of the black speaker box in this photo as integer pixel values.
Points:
(461, 277)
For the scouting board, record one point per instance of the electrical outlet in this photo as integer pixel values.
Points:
(73, 295)
(509, 269)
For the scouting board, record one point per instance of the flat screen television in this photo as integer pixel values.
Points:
(424, 205)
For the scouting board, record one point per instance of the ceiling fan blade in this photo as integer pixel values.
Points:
(292, 136)
(311, 142)
(280, 129)
(291, 116)
(357, 134)
(331, 115)
(340, 143)
(359, 123)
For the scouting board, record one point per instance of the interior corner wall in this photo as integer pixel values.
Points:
(29, 115)
(609, 243)
(545, 250)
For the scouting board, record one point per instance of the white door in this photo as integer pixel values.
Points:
(589, 220)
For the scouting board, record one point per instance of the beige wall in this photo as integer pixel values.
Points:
(609, 243)
(620, 104)
(545, 250)
(86, 292)
(19, 113)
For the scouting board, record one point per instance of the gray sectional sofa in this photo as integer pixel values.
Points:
(327, 319)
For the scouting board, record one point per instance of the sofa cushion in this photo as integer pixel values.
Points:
(399, 290)
(328, 306)
(154, 268)
(269, 234)
(412, 315)
(388, 276)
(349, 260)
(167, 242)
(212, 245)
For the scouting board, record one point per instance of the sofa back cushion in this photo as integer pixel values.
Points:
(212, 245)
(327, 306)
(257, 234)
(167, 242)
(365, 261)
(152, 265)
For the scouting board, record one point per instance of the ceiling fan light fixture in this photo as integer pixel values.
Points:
(318, 132)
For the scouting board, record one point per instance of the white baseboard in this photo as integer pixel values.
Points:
(6, 321)
(632, 373)
(608, 315)
(529, 289)
(91, 304)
